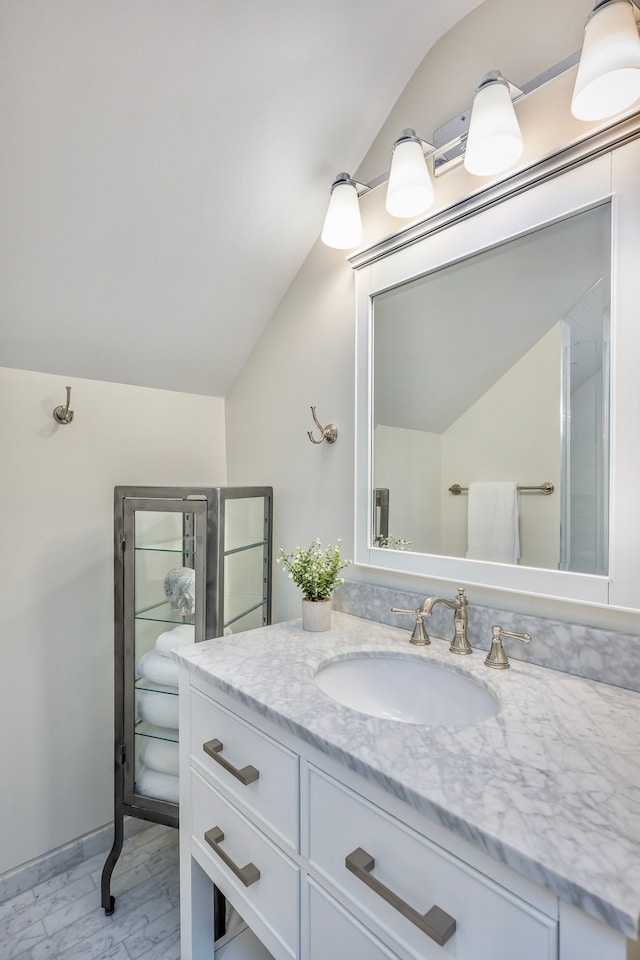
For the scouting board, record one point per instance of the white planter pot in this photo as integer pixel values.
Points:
(316, 614)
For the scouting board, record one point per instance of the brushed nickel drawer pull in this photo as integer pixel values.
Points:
(248, 874)
(435, 923)
(246, 775)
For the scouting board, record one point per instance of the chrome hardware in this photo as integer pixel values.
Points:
(419, 636)
(246, 775)
(496, 657)
(437, 924)
(247, 874)
(545, 488)
(64, 414)
(460, 643)
(329, 433)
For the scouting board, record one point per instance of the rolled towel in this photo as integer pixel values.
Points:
(159, 755)
(158, 669)
(162, 786)
(181, 636)
(180, 590)
(158, 708)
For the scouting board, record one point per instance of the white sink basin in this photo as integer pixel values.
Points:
(407, 690)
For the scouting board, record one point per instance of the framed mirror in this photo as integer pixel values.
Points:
(496, 368)
(494, 393)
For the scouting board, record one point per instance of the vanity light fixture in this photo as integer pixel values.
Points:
(608, 79)
(494, 141)
(410, 191)
(488, 137)
(343, 225)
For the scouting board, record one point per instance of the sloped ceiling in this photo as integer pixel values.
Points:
(165, 169)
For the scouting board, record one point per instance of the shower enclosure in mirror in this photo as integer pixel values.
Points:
(191, 564)
(496, 368)
(497, 346)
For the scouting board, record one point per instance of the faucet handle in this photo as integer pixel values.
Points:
(496, 657)
(419, 636)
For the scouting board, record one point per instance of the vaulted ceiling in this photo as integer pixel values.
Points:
(165, 169)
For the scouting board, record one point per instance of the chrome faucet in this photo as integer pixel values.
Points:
(460, 643)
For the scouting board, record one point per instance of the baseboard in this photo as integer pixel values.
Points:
(64, 858)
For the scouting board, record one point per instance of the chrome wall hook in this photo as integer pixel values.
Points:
(64, 414)
(329, 433)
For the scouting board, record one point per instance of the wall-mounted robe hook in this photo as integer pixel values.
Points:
(329, 433)
(64, 414)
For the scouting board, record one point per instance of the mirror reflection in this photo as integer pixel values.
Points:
(491, 387)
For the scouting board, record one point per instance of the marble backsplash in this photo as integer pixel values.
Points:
(583, 651)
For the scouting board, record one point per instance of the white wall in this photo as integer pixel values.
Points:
(522, 444)
(56, 597)
(408, 463)
(306, 354)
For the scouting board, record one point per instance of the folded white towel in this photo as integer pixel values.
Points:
(158, 708)
(180, 590)
(159, 755)
(162, 786)
(492, 522)
(181, 636)
(158, 669)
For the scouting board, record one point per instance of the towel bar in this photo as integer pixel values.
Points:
(545, 488)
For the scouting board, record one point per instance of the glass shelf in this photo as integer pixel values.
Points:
(240, 546)
(144, 729)
(161, 612)
(187, 549)
(142, 684)
(238, 607)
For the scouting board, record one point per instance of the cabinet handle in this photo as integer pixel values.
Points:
(213, 749)
(248, 874)
(435, 923)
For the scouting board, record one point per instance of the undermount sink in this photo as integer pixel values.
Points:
(409, 690)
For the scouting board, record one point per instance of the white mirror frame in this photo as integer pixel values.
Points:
(571, 182)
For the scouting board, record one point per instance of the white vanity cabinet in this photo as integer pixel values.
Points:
(273, 822)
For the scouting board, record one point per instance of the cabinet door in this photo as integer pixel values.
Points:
(247, 554)
(163, 607)
(333, 932)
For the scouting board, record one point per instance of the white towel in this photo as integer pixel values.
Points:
(492, 522)
(159, 755)
(155, 667)
(181, 636)
(160, 709)
(162, 786)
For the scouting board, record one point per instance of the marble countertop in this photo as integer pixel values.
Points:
(550, 785)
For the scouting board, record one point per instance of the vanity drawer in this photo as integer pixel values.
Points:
(260, 881)
(258, 774)
(333, 932)
(490, 922)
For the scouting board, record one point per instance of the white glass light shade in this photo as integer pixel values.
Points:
(343, 225)
(494, 142)
(410, 191)
(608, 79)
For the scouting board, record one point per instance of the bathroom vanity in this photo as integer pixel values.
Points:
(336, 833)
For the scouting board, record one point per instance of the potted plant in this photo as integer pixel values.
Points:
(317, 573)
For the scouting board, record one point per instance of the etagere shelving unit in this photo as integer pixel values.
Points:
(216, 543)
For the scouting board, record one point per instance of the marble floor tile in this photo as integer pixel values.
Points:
(61, 918)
